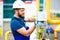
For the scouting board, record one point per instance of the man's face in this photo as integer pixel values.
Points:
(21, 12)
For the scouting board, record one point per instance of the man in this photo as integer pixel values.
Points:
(20, 32)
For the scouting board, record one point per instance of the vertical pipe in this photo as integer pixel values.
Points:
(37, 5)
(6, 35)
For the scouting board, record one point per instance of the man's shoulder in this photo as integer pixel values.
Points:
(14, 21)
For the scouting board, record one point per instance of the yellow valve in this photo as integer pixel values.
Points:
(0, 32)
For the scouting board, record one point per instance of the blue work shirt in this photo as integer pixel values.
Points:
(17, 23)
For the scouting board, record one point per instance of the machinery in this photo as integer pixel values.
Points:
(53, 17)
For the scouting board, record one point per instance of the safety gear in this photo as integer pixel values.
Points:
(18, 4)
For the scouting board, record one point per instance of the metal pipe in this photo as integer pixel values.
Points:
(6, 34)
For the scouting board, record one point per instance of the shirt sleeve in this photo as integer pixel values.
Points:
(16, 25)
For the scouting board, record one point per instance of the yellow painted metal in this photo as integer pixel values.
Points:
(6, 34)
(49, 20)
(0, 32)
(37, 5)
(57, 29)
(55, 34)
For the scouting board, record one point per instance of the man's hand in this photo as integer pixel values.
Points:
(30, 19)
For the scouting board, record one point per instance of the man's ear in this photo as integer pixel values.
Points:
(16, 11)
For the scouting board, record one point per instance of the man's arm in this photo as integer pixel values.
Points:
(25, 32)
(31, 19)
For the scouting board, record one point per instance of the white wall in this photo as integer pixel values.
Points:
(1, 13)
(55, 6)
